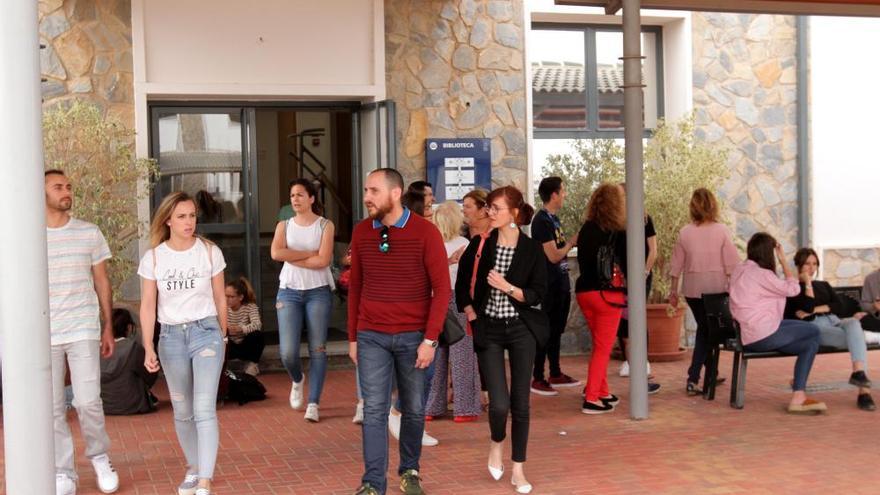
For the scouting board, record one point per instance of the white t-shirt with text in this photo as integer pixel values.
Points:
(183, 279)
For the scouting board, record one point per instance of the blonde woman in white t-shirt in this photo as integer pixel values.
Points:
(182, 278)
(305, 244)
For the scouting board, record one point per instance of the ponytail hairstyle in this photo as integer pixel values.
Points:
(515, 201)
(243, 288)
(311, 190)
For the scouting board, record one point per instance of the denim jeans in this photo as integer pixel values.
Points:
(843, 334)
(701, 340)
(312, 307)
(381, 356)
(795, 337)
(192, 357)
(84, 359)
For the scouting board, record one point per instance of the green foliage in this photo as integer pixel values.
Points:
(590, 163)
(96, 153)
(675, 162)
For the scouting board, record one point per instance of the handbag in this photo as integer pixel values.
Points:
(453, 331)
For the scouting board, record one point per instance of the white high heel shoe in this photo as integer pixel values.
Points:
(527, 488)
(496, 473)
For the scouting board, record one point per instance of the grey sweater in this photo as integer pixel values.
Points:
(871, 292)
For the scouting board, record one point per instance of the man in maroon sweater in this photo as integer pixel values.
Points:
(397, 304)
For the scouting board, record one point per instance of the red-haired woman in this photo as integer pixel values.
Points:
(510, 281)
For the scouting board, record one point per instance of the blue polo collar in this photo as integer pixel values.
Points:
(401, 222)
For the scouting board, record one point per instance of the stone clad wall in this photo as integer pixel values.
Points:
(456, 69)
(745, 96)
(88, 54)
(848, 267)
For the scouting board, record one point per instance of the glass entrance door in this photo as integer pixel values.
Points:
(204, 152)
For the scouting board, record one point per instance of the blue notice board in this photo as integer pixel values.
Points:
(457, 166)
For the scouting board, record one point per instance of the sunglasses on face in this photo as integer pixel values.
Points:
(385, 240)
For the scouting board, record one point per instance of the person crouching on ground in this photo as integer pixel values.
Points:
(757, 302)
(125, 383)
(243, 317)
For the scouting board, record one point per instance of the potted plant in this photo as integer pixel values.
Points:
(676, 162)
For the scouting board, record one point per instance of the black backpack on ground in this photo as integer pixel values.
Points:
(243, 388)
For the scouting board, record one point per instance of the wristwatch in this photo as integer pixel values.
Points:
(432, 343)
(510, 291)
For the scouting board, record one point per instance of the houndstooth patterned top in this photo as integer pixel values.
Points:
(499, 303)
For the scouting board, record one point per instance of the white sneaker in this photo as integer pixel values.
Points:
(358, 414)
(188, 485)
(312, 413)
(203, 491)
(872, 337)
(624, 369)
(428, 440)
(394, 425)
(108, 480)
(252, 369)
(296, 395)
(64, 485)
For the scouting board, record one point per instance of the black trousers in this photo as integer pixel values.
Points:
(556, 305)
(250, 349)
(519, 343)
(701, 341)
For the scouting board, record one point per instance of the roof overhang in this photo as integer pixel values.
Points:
(859, 8)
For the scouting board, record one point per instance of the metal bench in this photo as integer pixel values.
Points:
(724, 335)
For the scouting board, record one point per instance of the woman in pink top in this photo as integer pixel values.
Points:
(757, 302)
(705, 256)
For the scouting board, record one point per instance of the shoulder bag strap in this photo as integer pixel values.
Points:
(483, 238)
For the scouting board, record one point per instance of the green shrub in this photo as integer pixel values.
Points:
(96, 153)
(675, 163)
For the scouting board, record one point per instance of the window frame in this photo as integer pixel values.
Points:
(591, 81)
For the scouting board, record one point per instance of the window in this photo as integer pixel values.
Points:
(577, 80)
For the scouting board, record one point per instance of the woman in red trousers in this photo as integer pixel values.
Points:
(600, 287)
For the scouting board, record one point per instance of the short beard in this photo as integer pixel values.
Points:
(381, 211)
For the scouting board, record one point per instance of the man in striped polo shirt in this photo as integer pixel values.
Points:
(397, 303)
(78, 288)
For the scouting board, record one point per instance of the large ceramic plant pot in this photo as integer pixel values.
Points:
(664, 333)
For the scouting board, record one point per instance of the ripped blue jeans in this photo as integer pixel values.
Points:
(192, 356)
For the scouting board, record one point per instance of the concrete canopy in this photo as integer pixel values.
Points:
(865, 8)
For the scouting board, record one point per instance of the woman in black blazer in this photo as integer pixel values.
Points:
(500, 302)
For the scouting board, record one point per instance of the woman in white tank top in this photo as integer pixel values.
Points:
(305, 244)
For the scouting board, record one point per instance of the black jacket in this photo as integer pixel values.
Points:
(528, 271)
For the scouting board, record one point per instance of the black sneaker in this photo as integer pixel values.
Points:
(866, 402)
(410, 483)
(859, 379)
(653, 388)
(693, 389)
(366, 489)
(590, 408)
(611, 400)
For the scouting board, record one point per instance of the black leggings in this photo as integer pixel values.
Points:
(701, 340)
(556, 305)
(250, 349)
(518, 341)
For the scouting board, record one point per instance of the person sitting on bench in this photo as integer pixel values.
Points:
(818, 303)
(757, 302)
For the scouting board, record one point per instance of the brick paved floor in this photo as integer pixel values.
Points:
(688, 446)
